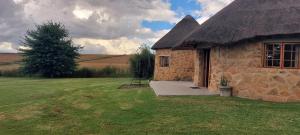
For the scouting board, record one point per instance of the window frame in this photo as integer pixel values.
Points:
(162, 63)
(282, 55)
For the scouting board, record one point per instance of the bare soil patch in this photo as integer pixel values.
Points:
(81, 105)
(27, 112)
(133, 86)
(2, 116)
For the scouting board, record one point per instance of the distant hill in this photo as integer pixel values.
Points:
(11, 61)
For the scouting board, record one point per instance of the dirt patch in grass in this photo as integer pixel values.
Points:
(125, 106)
(84, 106)
(44, 127)
(89, 96)
(166, 120)
(133, 86)
(81, 105)
(50, 126)
(2, 116)
(55, 111)
(98, 113)
(27, 112)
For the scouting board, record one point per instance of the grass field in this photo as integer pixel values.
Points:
(97, 106)
(12, 61)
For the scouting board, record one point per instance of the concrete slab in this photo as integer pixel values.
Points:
(178, 88)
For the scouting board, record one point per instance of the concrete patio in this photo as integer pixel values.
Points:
(178, 88)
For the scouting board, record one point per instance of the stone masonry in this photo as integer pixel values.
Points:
(242, 66)
(181, 65)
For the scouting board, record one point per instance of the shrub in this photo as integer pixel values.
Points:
(105, 72)
(109, 71)
(84, 72)
(142, 63)
(11, 73)
(80, 73)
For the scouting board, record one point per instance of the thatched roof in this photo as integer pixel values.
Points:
(249, 19)
(187, 25)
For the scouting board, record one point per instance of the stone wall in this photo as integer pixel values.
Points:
(181, 65)
(242, 66)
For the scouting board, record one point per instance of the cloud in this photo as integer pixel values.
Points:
(116, 21)
(102, 26)
(6, 47)
(209, 8)
(82, 13)
(12, 23)
(122, 45)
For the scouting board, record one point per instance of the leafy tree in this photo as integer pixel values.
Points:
(142, 63)
(50, 51)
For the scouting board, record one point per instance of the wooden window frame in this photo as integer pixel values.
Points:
(163, 63)
(282, 55)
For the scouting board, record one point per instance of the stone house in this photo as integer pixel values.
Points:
(175, 64)
(255, 44)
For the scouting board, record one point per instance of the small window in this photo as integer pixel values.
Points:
(290, 56)
(164, 61)
(272, 57)
(281, 55)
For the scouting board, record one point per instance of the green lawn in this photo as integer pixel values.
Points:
(96, 106)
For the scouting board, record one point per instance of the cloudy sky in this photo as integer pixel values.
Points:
(101, 26)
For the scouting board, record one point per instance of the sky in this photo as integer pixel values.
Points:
(101, 26)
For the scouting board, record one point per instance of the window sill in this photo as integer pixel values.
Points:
(280, 68)
(266, 69)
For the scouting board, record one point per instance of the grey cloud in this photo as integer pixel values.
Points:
(94, 49)
(12, 25)
(124, 17)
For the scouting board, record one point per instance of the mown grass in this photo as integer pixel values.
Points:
(97, 106)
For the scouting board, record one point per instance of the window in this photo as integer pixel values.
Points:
(281, 55)
(164, 61)
(273, 55)
(290, 56)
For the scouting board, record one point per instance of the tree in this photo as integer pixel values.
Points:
(50, 51)
(142, 63)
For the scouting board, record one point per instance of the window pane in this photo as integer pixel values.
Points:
(290, 64)
(287, 64)
(269, 63)
(290, 55)
(269, 46)
(293, 55)
(287, 47)
(167, 61)
(287, 56)
(293, 64)
(276, 55)
(272, 55)
(164, 61)
(161, 61)
(277, 47)
(276, 63)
